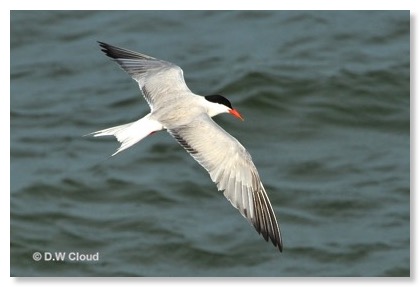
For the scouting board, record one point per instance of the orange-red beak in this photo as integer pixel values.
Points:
(236, 114)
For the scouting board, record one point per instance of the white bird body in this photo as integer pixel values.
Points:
(187, 117)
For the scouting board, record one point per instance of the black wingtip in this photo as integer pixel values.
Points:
(280, 246)
(265, 222)
(117, 53)
(108, 49)
(103, 45)
(277, 242)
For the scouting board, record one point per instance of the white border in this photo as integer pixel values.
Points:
(214, 4)
(188, 5)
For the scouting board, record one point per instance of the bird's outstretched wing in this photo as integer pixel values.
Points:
(230, 166)
(156, 78)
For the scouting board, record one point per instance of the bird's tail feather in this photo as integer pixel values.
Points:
(131, 133)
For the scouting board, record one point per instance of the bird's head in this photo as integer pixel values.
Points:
(218, 105)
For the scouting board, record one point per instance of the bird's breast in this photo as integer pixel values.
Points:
(176, 115)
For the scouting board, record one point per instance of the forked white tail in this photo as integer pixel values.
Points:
(131, 133)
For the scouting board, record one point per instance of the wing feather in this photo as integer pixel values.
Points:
(233, 171)
(156, 78)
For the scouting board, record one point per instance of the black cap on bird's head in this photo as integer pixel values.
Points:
(218, 99)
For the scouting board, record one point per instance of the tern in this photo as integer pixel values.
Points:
(188, 118)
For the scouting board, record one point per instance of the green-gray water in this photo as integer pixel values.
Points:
(326, 101)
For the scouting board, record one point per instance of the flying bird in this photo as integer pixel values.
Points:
(187, 117)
